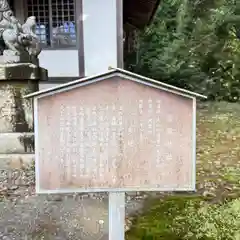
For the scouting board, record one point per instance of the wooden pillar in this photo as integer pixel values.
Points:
(102, 35)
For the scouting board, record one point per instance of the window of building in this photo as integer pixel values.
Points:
(56, 25)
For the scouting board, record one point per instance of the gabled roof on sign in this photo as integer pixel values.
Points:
(113, 72)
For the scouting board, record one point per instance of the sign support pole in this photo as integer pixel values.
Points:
(116, 207)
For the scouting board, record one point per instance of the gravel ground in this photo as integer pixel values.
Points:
(25, 216)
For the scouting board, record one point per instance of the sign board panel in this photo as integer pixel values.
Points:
(114, 135)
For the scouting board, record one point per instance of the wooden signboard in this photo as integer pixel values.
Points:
(115, 132)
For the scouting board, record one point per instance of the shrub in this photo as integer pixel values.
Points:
(188, 218)
(210, 221)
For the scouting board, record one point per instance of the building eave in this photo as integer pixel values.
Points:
(139, 13)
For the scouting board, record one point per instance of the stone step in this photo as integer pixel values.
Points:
(15, 161)
(11, 143)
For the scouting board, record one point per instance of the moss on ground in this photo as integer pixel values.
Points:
(206, 214)
(157, 220)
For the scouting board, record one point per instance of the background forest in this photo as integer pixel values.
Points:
(193, 44)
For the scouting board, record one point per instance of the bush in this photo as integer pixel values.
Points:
(188, 218)
(210, 221)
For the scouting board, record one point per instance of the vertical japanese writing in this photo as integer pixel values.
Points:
(73, 144)
(170, 131)
(68, 142)
(81, 141)
(94, 139)
(140, 109)
(62, 143)
(101, 113)
(158, 132)
(88, 141)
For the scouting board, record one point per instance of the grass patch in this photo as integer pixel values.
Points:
(218, 147)
(231, 175)
(157, 220)
(187, 218)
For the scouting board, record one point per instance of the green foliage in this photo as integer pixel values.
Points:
(188, 218)
(231, 174)
(210, 221)
(193, 44)
(157, 221)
